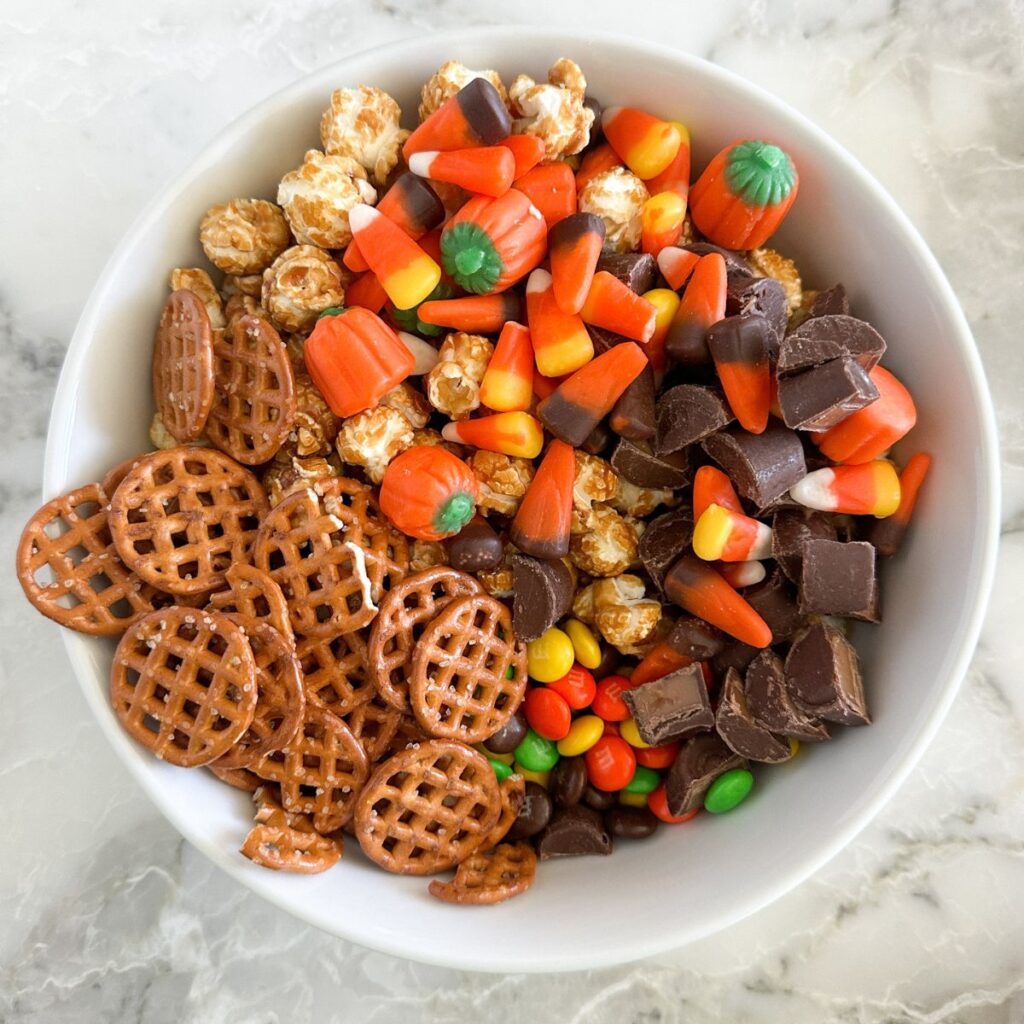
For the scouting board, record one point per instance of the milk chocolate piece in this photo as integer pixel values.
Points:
(476, 547)
(734, 655)
(699, 762)
(831, 302)
(738, 729)
(735, 264)
(819, 398)
(791, 529)
(630, 822)
(633, 414)
(830, 337)
(596, 134)
(775, 600)
(688, 413)
(762, 467)
(696, 639)
(667, 536)
(839, 579)
(636, 270)
(759, 295)
(636, 463)
(573, 832)
(543, 592)
(603, 339)
(568, 781)
(671, 707)
(823, 676)
(769, 701)
(534, 814)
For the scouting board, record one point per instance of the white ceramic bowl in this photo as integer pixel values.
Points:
(690, 880)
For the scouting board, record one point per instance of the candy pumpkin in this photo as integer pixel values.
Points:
(428, 493)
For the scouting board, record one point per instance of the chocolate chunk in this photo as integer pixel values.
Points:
(543, 592)
(509, 736)
(688, 413)
(630, 822)
(671, 707)
(819, 398)
(791, 529)
(738, 729)
(839, 579)
(885, 535)
(762, 467)
(568, 781)
(604, 339)
(775, 600)
(667, 536)
(534, 815)
(744, 339)
(699, 762)
(636, 270)
(636, 463)
(598, 799)
(831, 302)
(735, 264)
(760, 295)
(830, 337)
(633, 414)
(823, 676)
(476, 547)
(735, 655)
(598, 440)
(770, 703)
(695, 639)
(573, 832)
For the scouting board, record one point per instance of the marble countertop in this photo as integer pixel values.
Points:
(109, 916)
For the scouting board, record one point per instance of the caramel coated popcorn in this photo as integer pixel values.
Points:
(497, 582)
(448, 79)
(769, 263)
(242, 305)
(638, 501)
(244, 236)
(453, 385)
(621, 611)
(316, 426)
(553, 111)
(300, 284)
(616, 196)
(503, 481)
(197, 281)
(371, 439)
(595, 481)
(602, 542)
(404, 398)
(318, 196)
(425, 554)
(364, 124)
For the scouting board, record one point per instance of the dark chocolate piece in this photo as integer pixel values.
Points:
(791, 529)
(604, 339)
(598, 440)
(665, 539)
(543, 592)
(735, 655)
(819, 398)
(534, 814)
(735, 264)
(573, 832)
(831, 302)
(633, 414)
(839, 579)
(823, 676)
(761, 295)
(688, 413)
(699, 762)
(636, 463)
(598, 799)
(476, 547)
(636, 270)
(738, 729)
(762, 467)
(770, 703)
(568, 781)
(482, 107)
(509, 736)
(631, 822)
(696, 639)
(671, 707)
(775, 600)
(830, 337)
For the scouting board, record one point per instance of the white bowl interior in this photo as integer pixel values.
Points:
(690, 880)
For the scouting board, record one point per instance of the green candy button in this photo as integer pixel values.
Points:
(645, 780)
(728, 791)
(501, 770)
(536, 754)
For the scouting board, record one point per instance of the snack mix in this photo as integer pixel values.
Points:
(510, 497)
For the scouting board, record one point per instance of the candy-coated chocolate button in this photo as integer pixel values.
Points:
(608, 702)
(577, 687)
(501, 770)
(547, 712)
(509, 736)
(568, 781)
(584, 643)
(629, 732)
(535, 753)
(629, 799)
(644, 781)
(533, 815)
(504, 758)
(728, 791)
(550, 656)
(610, 763)
(540, 778)
(658, 803)
(582, 735)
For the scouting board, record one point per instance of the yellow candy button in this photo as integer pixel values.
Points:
(628, 731)
(503, 758)
(582, 735)
(632, 799)
(584, 643)
(550, 656)
(541, 778)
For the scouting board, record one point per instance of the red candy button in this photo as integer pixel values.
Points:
(548, 713)
(610, 763)
(658, 804)
(657, 757)
(608, 702)
(576, 687)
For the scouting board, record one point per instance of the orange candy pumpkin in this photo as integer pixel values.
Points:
(429, 493)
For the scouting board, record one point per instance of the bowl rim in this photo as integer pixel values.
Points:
(56, 466)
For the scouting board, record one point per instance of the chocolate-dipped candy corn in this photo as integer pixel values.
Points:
(561, 343)
(541, 526)
(474, 116)
(574, 247)
(702, 305)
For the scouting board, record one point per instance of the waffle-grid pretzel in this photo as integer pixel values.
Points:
(333, 554)
(182, 517)
(288, 842)
(334, 674)
(238, 778)
(374, 724)
(253, 409)
(280, 701)
(71, 572)
(513, 796)
(321, 772)
(183, 684)
(469, 671)
(489, 876)
(254, 595)
(427, 808)
(404, 613)
(183, 365)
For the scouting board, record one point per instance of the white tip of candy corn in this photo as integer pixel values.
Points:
(419, 163)
(608, 115)
(540, 281)
(762, 546)
(815, 490)
(743, 574)
(426, 355)
(450, 432)
(361, 216)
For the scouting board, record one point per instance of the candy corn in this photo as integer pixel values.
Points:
(511, 433)
(598, 160)
(541, 526)
(544, 386)
(412, 205)
(574, 247)
(712, 487)
(616, 307)
(665, 302)
(633, 414)
(487, 170)
(646, 144)
(702, 305)
(868, 489)
(508, 380)
(676, 265)
(675, 177)
(552, 189)
(561, 343)
(485, 314)
(474, 116)
(699, 590)
(404, 270)
(887, 534)
(661, 221)
(661, 660)
(582, 401)
(739, 349)
(527, 151)
(742, 574)
(723, 535)
(366, 291)
(873, 430)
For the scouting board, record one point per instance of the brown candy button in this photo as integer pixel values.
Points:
(509, 736)
(819, 398)
(636, 463)
(636, 270)
(688, 413)
(830, 337)
(823, 675)
(839, 579)
(573, 832)
(633, 415)
(671, 707)
(630, 822)
(666, 538)
(476, 547)
(542, 594)
(761, 466)
(739, 730)
(791, 529)
(695, 639)
(598, 799)
(770, 703)
(699, 762)
(568, 781)
(610, 662)
(534, 815)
